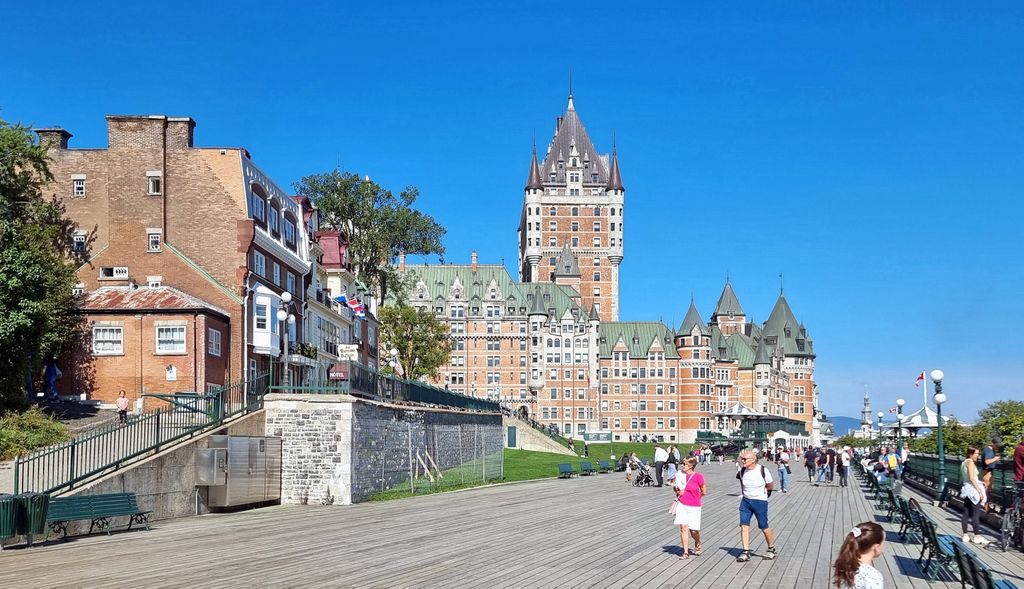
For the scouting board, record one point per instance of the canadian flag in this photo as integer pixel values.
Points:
(920, 379)
(893, 409)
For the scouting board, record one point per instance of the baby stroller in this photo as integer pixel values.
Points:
(642, 476)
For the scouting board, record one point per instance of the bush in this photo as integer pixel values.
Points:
(28, 430)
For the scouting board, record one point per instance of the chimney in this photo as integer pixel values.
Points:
(472, 260)
(53, 137)
(180, 131)
(401, 262)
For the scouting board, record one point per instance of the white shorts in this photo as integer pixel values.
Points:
(688, 515)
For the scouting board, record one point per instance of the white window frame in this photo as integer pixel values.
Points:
(277, 273)
(152, 246)
(213, 346)
(154, 183)
(273, 220)
(265, 315)
(175, 348)
(78, 185)
(290, 286)
(116, 344)
(259, 263)
(154, 281)
(80, 241)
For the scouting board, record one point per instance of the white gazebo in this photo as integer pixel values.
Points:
(923, 418)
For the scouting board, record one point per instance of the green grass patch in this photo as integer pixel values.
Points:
(23, 432)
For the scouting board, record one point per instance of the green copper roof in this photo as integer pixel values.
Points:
(567, 264)
(638, 337)
(762, 356)
(789, 333)
(692, 318)
(728, 304)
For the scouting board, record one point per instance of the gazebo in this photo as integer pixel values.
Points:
(923, 418)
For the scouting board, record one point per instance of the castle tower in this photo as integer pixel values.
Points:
(729, 315)
(865, 413)
(574, 197)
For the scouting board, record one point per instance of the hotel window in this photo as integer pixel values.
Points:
(259, 264)
(272, 220)
(170, 339)
(552, 226)
(153, 240)
(597, 291)
(611, 241)
(575, 242)
(575, 211)
(107, 341)
(277, 272)
(78, 185)
(552, 243)
(154, 183)
(597, 242)
(597, 225)
(214, 344)
(79, 244)
(575, 226)
(552, 212)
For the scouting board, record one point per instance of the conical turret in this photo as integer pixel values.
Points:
(614, 177)
(534, 181)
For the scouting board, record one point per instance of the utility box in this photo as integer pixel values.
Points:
(240, 470)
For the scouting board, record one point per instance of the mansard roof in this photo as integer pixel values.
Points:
(728, 304)
(570, 135)
(567, 264)
(638, 337)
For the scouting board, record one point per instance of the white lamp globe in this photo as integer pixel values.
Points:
(937, 375)
(291, 319)
(286, 297)
(940, 398)
(282, 314)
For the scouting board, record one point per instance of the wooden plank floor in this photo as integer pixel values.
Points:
(590, 532)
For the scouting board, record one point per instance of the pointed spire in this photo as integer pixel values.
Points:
(534, 181)
(728, 303)
(537, 305)
(571, 106)
(614, 178)
(593, 313)
(762, 356)
(567, 264)
(693, 318)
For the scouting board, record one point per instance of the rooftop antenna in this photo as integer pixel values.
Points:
(570, 83)
(727, 277)
(780, 283)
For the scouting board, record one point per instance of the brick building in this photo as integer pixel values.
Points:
(154, 211)
(550, 344)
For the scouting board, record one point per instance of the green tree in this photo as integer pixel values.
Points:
(37, 269)
(1002, 418)
(956, 437)
(853, 442)
(422, 341)
(378, 224)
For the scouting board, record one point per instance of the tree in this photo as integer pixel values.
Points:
(378, 225)
(1002, 418)
(956, 437)
(422, 341)
(37, 266)
(853, 442)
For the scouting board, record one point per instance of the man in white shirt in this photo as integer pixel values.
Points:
(784, 469)
(756, 483)
(660, 457)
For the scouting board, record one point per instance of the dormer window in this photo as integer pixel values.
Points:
(574, 162)
(272, 220)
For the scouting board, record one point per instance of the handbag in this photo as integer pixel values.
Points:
(789, 470)
(674, 507)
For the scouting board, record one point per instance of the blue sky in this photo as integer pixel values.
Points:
(874, 154)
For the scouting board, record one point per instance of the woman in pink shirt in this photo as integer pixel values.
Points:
(689, 488)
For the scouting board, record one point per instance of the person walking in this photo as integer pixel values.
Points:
(854, 568)
(809, 463)
(974, 496)
(989, 460)
(672, 464)
(660, 456)
(689, 487)
(631, 466)
(1018, 461)
(122, 408)
(755, 485)
(784, 472)
(845, 457)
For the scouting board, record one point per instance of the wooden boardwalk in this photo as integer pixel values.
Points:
(591, 532)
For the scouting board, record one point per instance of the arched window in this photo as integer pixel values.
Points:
(575, 211)
(597, 211)
(552, 211)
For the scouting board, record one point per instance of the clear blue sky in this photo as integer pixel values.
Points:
(871, 152)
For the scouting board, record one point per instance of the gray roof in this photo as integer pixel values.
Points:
(783, 329)
(567, 264)
(534, 180)
(614, 177)
(693, 318)
(728, 304)
(569, 134)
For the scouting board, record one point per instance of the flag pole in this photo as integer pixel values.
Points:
(924, 382)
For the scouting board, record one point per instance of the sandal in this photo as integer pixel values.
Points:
(696, 550)
(744, 556)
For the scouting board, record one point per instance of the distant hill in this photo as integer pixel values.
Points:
(841, 424)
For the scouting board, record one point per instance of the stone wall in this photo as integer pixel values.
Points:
(342, 449)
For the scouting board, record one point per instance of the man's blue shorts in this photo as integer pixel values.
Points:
(754, 507)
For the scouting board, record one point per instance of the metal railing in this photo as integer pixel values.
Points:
(361, 380)
(60, 468)
(924, 470)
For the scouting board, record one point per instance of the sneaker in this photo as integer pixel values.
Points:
(966, 538)
(771, 553)
(744, 556)
(981, 541)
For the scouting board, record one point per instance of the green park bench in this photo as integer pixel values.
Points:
(566, 471)
(587, 467)
(603, 466)
(99, 509)
(973, 572)
(910, 516)
(938, 547)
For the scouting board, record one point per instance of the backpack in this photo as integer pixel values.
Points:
(768, 486)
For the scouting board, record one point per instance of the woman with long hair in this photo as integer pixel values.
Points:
(973, 494)
(689, 487)
(853, 568)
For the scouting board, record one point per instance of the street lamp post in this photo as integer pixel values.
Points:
(285, 319)
(899, 426)
(939, 398)
(880, 416)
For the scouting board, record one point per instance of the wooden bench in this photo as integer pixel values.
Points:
(603, 466)
(939, 548)
(566, 471)
(587, 467)
(99, 509)
(973, 572)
